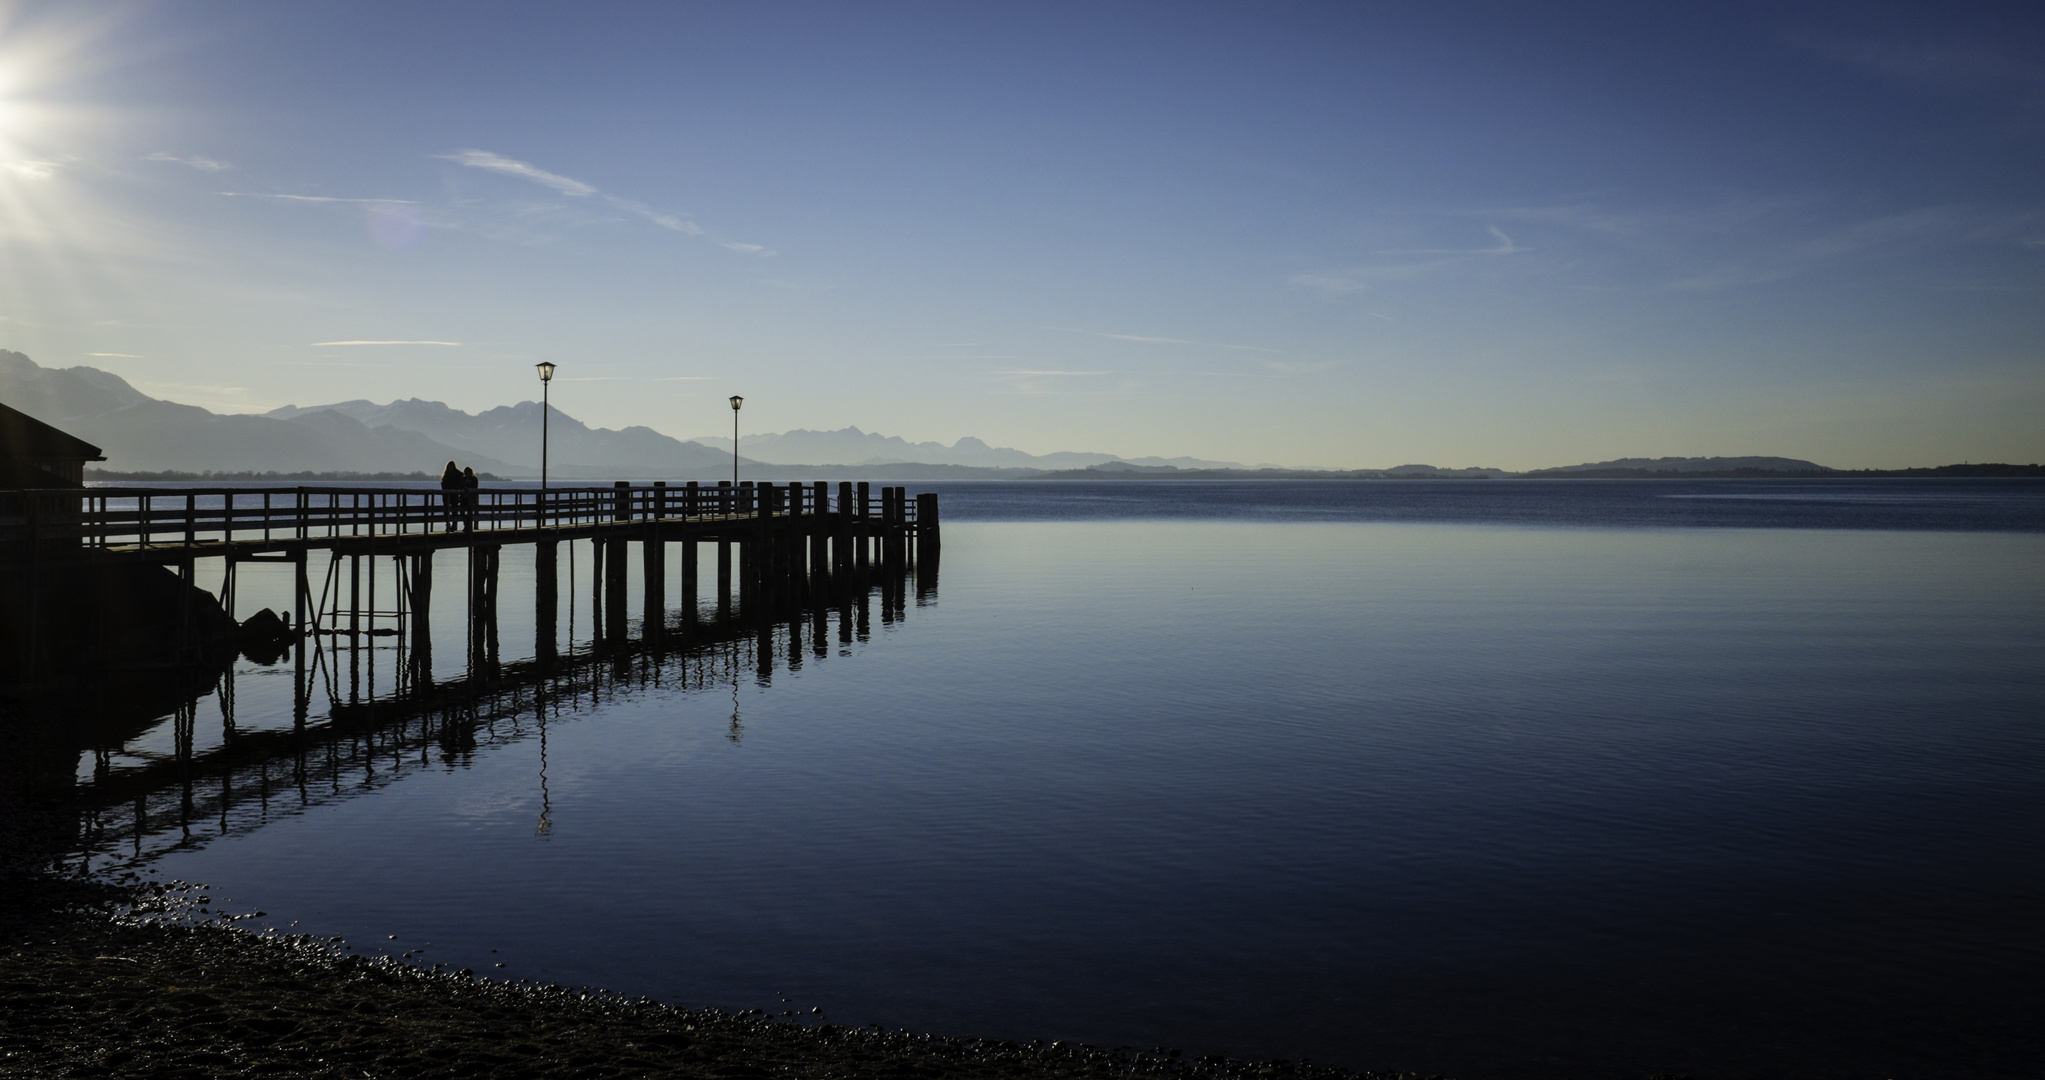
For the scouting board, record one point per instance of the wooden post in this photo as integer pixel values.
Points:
(301, 692)
(421, 602)
(927, 539)
(689, 586)
(596, 589)
(820, 535)
(546, 599)
(491, 555)
(615, 576)
(653, 552)
(841, 539)
(724, 578)
(863, 528)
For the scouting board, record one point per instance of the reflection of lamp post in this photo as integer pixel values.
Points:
(736, 401)
(546, 380)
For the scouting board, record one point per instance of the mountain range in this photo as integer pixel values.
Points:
(140, 433)
(851, 446)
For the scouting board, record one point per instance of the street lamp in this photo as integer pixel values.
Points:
(546, 381)
(736, 401)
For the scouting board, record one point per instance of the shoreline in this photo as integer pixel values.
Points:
(87, 988)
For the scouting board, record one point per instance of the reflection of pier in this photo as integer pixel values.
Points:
(251, 775)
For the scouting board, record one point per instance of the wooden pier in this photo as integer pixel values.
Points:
(771, 541)
(791, 564)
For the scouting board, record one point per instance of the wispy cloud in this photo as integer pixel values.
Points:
(324, 344)
(684, 378)
(1044, 373)
(119, 355)
(308, 198)
(484, 159)
(1954, 64)
(203, 164)
(1146, 339)
(32, 170)
(568, 185)
(1505, 246)
(1331, 284)
(1284, 368)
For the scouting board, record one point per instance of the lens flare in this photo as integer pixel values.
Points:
(396, 225)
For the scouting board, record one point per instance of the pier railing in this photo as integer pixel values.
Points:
(199, 517)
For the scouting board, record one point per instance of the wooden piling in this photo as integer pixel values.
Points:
(689, 584)
(546, 598)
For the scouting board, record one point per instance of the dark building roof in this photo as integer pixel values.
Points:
(25, 438)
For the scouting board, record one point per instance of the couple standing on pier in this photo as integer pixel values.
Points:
(458, 491)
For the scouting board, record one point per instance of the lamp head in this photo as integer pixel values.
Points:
(546, 371)
(736, 401)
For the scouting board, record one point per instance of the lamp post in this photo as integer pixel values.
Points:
(736, 401)
(546, 381)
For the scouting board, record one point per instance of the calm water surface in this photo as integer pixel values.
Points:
(1501, 779)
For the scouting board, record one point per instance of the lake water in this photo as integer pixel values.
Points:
(1495, 779)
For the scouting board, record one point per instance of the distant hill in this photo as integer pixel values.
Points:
(851, 446)
(1725, 466)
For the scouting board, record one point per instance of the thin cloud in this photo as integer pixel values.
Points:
(977, 345)
(684, 378)
(1331, 285)
(1037, 374)
(743, 249)
(307, 198)
(324, 344)
(1284, 368)
(484, 159)
(1148, 340)
(203, 164)
(32, 170)
(568, 185)
(119, 355)
(1505, 246)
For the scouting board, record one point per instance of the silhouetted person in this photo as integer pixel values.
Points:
(453, 491)
(470, 497)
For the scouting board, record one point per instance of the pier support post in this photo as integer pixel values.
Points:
(615, 578)
(862, 528)
(841, 533)
(596, 589)
(689, 575)
(653, 552)
(420, 655)
(301, 690)
(927, 540)
(724, 578)
(546, 599)
(491, 557)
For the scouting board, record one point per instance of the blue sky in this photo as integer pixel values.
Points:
(1323, 235)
